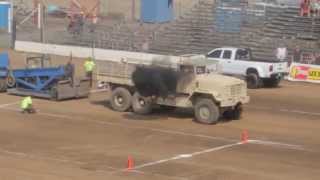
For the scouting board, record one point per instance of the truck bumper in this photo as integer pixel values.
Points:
(277, 75)
(231, 102)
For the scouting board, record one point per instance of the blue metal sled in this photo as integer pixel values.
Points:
(54, 83)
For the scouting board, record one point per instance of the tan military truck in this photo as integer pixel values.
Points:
(140, 85)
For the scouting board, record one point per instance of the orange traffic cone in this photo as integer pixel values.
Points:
(130, 163)
(244, 136)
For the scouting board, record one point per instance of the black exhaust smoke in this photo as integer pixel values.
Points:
(155, 81)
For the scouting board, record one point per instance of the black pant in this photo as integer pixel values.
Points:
(89, 76)
(29, 110)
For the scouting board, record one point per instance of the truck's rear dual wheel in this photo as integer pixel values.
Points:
(253, 81)
(206, 111)
(121, 99)
(140, 104)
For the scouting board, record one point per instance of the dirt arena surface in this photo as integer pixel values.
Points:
(83, 139)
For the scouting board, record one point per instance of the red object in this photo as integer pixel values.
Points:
(130, 164)
(244, 136)
(305, 7)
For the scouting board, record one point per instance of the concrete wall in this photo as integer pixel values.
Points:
(83, 52)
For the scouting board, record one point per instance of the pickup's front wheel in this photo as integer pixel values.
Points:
(253, 81)
(206, 111)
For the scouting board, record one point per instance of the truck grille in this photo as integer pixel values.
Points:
(236, 90)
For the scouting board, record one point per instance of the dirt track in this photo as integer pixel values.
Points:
(83, 139)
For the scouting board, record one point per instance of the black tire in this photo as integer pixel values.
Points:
(206, 111)
(274, 82)
(3, 85)
(253, 81)
(54, 94)
(121, 99)
(234, 114)
(10, 81)
(141, 105)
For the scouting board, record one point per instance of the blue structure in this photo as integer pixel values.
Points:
(4, 65)
(38, 80)
(228, 20)
(156, 11)
(5, 15)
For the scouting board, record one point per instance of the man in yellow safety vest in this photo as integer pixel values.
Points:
(26, 105)
(89, 66)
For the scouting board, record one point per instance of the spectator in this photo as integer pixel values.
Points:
(281, 52)
(305, 8)
(317, 60)
(314, 7)
(297, 54)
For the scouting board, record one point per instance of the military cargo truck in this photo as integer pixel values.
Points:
(140, 85)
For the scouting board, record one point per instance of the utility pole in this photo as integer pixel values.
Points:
(133, 10)
(41, 21)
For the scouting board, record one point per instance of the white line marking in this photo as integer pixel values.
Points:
(24, 155)
(278, 144)
(186, 156)
(290, 146)
(286, 110)
(300, 112)
(133, 127)
(9, 104)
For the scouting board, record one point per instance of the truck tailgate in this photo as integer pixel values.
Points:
(280, 67)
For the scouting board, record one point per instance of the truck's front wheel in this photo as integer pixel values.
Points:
(206, 111)
(121, 99)
(140, 104)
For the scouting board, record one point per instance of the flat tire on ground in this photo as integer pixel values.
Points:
(141, 105)
(3, 85)
(206, 111)
(121, 99)
(253, 81)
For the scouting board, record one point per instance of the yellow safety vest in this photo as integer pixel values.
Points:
(89, 65)
(26, 102)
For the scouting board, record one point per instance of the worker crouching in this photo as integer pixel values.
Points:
(27, 106)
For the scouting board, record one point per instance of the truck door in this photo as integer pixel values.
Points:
(215, 55)
(226, 62)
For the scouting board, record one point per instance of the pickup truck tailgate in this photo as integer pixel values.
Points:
(280, 67)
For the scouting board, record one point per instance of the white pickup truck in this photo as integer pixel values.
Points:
(239, 62)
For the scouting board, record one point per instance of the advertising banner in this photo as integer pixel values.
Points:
(304, 72)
